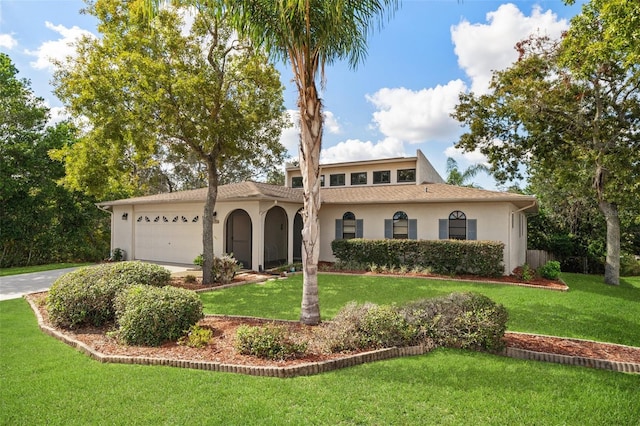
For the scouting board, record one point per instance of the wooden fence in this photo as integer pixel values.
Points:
(537, 258)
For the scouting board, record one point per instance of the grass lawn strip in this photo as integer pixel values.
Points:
(47, 382)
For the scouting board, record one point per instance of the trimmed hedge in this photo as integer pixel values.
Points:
(447, 257)
(151, 316)
(85, 296)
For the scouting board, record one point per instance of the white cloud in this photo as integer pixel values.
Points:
(357, 150)
(331, 124)
(57, 114)
(58, 49)
(472, 157)
(417, 116)
(290, 138)
(7, 41)
(483, 48)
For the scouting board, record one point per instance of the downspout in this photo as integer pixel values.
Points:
(533, 203)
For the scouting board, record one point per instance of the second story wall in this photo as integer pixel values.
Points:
(393, 171)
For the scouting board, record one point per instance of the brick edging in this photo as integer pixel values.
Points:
(265, 371)
(319, 367)
(603, 364)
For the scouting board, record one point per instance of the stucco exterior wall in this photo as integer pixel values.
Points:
(492, 223)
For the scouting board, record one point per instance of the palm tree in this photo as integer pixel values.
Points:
(456, 177)
(309, 34)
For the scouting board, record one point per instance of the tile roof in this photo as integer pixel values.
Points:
(379, 194)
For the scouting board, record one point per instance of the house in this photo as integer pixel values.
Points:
(260, 224)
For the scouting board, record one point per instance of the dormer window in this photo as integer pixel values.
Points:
(383, 176)
(359, 178)
(406, 175)
(336, 180)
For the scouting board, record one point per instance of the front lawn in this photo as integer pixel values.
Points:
(44, 381)
(589, 310)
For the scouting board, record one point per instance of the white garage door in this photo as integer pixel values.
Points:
(168, 237)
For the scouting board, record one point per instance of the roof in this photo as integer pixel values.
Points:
(232, 192)
(432, 193)
(378, 194)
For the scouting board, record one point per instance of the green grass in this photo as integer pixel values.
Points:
(43, 381)
(589, 310)
(4, 272)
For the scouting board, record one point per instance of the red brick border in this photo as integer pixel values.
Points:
(317, 367)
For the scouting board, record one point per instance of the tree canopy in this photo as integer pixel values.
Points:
(160, 89)
(568, 112)
(41, 222)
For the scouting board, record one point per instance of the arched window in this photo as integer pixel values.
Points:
(348, 226)
(457, 225)
(400, 225)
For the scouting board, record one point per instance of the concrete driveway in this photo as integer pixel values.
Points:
(16, 286)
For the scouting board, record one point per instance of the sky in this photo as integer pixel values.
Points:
(398, 100)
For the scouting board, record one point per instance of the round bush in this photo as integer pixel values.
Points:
(460, 320)
(550, 270)
(150, 316)
(270, 342)
(85, 296)
(369, 326)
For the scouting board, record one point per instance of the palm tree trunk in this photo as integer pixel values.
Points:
(310, 143)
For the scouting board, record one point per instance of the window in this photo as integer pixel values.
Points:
(336, 180)
(400, 225)
(321, 180)
(296, 182)
(407, 175)
(349, 227)
(359, 178)
(457, 225)
(383, 176)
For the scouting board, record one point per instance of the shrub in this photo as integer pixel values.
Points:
(191, 279)
(550, 270)
(85, 296)
(117, 255)
(225, 268)
(150, 316)
(368, 326)
(196, 337)
(460, 320)
(629, 265)
(442, 256)
(270, 341)
(199, 260)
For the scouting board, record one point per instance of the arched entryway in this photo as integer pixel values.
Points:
(275, 237)
(239, 236)
(297, 237)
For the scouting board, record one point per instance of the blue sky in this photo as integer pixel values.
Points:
(397, 101)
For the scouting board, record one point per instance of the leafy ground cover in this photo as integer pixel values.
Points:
(45, 381)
